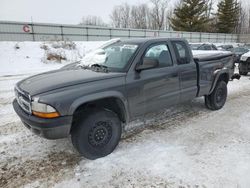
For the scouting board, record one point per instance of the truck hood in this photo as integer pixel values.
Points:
(60, 78)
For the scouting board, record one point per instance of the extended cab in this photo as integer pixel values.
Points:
(94, 100)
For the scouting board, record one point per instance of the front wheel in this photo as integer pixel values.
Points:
(218, 97)
(97, 134)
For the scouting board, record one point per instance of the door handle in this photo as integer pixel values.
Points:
(168, 77)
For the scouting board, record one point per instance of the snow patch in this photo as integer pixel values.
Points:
(32, 57)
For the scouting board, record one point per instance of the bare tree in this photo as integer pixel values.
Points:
(157, 13)
(116, 17)
(169, 14)
(92, 20)
(246, 25)
(120, 16)
(243, 26)
(139, 16)
(248, 20)
(241, 20)
(125, 15)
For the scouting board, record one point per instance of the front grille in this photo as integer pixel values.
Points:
(23, 100)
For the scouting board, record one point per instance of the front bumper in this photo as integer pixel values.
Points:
(244, 66)
(48, 128)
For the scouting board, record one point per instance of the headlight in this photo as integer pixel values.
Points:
(43, 110)
(243, 58)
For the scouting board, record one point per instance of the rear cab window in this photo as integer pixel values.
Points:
(181, 52)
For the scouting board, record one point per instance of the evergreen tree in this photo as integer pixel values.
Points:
(228, 16)
(190, 15)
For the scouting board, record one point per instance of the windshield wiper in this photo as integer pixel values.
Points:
(96, 67)
(99, 68)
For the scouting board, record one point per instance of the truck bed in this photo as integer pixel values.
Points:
(202, 55)
(207, 63)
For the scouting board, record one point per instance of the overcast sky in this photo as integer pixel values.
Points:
(57, 11)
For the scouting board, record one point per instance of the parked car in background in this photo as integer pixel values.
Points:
(244, 64)
(226, 47)
(239, 51)
(203, 46)
(247, 45)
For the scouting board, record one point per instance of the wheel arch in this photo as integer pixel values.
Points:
(222, 74)
(113, 101)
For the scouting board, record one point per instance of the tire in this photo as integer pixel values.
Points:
(243, 73)
(218, 97)
(208, 102)
(97, 134)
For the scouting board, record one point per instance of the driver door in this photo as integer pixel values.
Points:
(156, 88)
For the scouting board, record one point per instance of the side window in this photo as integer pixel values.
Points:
(202, 47)
(214, 47)
(207, 47)
(161, 53)
(181, 52)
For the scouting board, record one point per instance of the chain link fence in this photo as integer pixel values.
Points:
(26, 31)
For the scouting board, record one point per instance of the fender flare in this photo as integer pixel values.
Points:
(217, 74)
(96, 96)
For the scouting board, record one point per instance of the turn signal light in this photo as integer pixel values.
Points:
(46, 115)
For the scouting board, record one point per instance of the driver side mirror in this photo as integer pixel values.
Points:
(147, 63)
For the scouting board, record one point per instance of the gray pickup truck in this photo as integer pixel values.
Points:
(93, 100)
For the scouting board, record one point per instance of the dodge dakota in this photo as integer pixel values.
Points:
(93, 100)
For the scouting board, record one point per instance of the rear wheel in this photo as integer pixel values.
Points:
(97, 134)
(218, 97)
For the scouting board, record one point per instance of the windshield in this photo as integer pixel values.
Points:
(114, 56)
(240, 50)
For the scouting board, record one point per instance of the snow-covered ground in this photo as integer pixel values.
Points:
(186, 146)
(31, 57)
